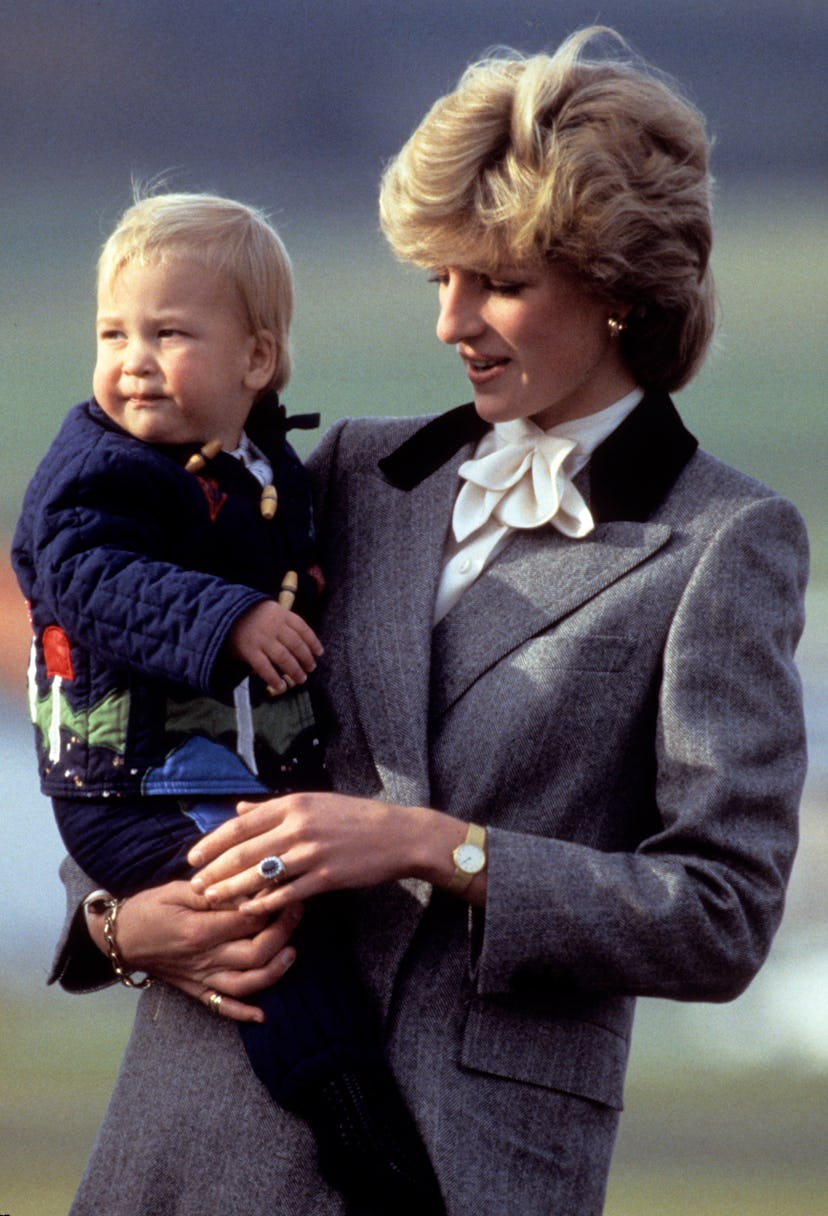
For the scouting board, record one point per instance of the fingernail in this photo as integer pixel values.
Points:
(211, 893)
(288, 958)
(195, 857)
(198, 885)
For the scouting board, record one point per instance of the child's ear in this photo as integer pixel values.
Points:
(261, 363)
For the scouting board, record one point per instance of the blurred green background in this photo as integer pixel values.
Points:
(296, 110)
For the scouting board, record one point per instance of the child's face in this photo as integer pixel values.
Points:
(176, 363)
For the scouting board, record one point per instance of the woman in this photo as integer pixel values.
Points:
(556, 631)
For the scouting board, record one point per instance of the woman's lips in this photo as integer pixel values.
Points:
(482, 369)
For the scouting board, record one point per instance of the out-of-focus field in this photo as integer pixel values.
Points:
(693, 1143)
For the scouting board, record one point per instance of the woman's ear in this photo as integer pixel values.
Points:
(622, 310)
(261, 363)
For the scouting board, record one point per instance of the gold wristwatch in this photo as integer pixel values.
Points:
(469, 859)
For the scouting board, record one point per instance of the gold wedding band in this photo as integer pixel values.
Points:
(214, 1003)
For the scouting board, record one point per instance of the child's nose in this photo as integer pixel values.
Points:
(138, 359)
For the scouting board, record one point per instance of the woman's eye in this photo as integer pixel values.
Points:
(503, 288)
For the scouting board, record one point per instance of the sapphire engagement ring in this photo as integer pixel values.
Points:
(272, 869)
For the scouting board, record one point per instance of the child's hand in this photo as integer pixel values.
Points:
(275, 643)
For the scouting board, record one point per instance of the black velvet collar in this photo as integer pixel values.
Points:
(629, 473)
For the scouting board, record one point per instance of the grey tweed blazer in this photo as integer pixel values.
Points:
(624, 715)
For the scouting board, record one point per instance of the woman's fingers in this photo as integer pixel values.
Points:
(255, 821)
(324, 840)
(237, 977)
(236, 986)
(259, 953)
(236, 969)
(228, 1007)
(246, 884)
(280, 900)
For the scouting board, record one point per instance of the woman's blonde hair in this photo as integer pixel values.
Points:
(593, 164)
(225, 236)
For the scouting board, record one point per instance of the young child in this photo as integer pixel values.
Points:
(167, 679)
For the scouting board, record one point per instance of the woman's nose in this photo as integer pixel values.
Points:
(459, 318)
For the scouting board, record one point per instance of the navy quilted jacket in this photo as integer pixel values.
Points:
(134, 571)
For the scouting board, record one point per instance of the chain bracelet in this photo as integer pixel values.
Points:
(112, 906)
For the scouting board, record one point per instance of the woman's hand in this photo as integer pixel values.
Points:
(327, 842)
(174, 935)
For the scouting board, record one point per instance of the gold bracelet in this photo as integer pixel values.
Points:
(112, 906)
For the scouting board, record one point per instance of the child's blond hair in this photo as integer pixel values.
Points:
(224, 235)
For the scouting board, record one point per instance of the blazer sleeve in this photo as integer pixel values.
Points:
(78, 964)
(692, 912)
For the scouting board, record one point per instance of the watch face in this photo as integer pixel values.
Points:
(469, 858)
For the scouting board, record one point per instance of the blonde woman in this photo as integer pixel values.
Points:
(568, 743)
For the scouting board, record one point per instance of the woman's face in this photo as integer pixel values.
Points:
(534, 344)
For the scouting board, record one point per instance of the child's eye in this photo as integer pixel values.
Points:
(439, 276)
(109, 335)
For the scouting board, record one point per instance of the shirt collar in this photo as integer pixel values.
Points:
(587, 433)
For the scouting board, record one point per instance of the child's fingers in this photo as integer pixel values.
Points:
(301, 641)
(285, 671)
(301, 626)
(279, 670)
(286, 662)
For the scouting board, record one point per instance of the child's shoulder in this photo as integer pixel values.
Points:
(84, 428)
(89, 449)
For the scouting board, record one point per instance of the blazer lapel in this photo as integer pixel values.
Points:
(636, 466)
(394, 565)
(539, 578)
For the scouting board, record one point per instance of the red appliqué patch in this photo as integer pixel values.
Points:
(216, 498)
(56, 652)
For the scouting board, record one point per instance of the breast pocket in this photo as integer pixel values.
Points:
(591, 652)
